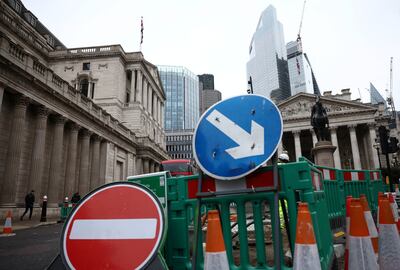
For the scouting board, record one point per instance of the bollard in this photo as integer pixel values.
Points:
(44, 209)
(64, 210)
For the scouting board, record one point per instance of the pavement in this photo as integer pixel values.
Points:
(17, 224)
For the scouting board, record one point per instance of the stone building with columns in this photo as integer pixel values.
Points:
(353, 128)
(71, 119)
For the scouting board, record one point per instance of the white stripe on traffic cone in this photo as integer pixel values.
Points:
(306, 254)
(389, 240)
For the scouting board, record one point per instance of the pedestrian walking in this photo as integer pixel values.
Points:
(29, 200)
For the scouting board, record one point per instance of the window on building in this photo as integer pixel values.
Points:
(86, 66)
(92, 92)
(128, 97)
(84, 87)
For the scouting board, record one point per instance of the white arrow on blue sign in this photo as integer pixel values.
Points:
(236, 136)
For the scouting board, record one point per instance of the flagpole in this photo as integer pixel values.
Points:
(141, 33)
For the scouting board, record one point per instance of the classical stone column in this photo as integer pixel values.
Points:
(354, 147)
(139, 89)
(146, 165)
(15, 145)
(133, 82)
(39, 144)
(139, 165)
(156, 167)
(103, 162)
(134, 168)
(162, 114)
(144, 92)
(159, 111)
(95, 173)
(155, 111)
(314, 137)
(373, 152)
(1, 95)
(297, 144)
(336, 154)
(84, 177)
(70, 174)
(55, 192)
(149, 100)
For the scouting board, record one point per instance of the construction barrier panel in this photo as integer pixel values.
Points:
(339, 184)
(247, 218)
(335, 197)
(248, 239)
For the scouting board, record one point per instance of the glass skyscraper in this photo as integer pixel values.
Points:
(182, 105)
(301, 75)
(376, 97)
(267, 66)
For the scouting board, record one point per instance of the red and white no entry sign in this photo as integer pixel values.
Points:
(118, 226)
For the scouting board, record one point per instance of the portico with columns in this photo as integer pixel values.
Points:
(353, 129)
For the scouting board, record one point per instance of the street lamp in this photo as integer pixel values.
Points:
(377, 146)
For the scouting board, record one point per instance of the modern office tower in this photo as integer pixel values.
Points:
(206, 81)
(376, 97)
(179, 144)
(267, 67)
(208, 96)
(182, 90)
(301, 75)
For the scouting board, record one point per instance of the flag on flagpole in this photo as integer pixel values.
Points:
(141, 32)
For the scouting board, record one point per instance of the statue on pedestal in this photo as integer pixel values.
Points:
(319, 121)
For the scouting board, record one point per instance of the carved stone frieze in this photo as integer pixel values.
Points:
(302, 108)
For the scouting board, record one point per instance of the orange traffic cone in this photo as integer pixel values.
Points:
(389, 240)
(306, 254)
(361, 252)
(215, 257)
(373, 233)
(395, 211)
(7, 229)
(381, 196)
(346, 251)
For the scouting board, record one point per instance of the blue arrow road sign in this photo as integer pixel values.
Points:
(236, 136)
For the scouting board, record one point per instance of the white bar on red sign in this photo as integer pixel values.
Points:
(354, 176)
(97, 229)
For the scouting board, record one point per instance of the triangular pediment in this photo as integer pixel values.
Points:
(152, 70)
(300, 105)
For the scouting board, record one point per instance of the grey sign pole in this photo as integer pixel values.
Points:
(276, 227)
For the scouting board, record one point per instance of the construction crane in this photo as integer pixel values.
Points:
(389, 98)
(300, 46)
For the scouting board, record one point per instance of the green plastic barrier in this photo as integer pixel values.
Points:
(298, 182)
(65, 210)
(156, 182)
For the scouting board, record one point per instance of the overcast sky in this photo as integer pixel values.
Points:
(349, 43)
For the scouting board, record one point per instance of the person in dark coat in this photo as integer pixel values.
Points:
(76, 197)
(29, 200)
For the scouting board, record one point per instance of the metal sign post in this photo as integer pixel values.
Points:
(197, 225)
(276, 228)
